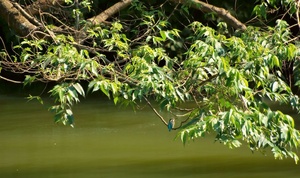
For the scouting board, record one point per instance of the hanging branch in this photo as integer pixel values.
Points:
(10, 80)
(163, 120)
(182, 122)
(155, 111)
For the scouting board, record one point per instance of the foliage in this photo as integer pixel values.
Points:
(226, 75)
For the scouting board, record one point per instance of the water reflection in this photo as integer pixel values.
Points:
(111, 142)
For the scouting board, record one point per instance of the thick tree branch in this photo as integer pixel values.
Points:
(110, 12)
(42, 5)
(22, 22)
(33, 20)
(15, 19)
(196, 4)
(222, 13)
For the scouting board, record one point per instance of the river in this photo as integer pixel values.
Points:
(109, 141)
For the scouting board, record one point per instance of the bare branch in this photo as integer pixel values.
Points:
(221, 12)
(181, 123)
(10, 80)
(155, 111)
(110, 11)
(297, 13)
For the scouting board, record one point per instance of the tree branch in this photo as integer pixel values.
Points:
(10, 80)
(110, 12)
(26, 15)
(221, 12)
(42, 5)
(22, 22)
(155, 111)
(15, 19)
(297, 13)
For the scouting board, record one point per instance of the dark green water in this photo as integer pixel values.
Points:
(108, 141)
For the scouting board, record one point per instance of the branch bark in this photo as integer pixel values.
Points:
(23, 26)
(42, 5)
(196, 4)
(26, 15)
(155, 111)
(110, 12)
(15, 19)
(221, 12)
(10, 80)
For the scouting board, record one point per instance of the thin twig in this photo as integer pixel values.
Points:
(155, 111)
(182, 122)
(10, 80)
(297, 13)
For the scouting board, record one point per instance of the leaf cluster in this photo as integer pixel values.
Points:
(224, 78)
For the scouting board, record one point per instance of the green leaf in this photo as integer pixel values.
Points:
(184, 137)
(275, 61)
(163, 104)
(61, 95)
(181, 95)
(236, 143)
(79, 89)
(38, 98)
(72, 95)
(70, 117)
(260, 10)
(29, 79)
(116, 99)
(68, 1)
(94, 68)
(104, 88)
(185, 9)
(57, 118)
(163, 35)
(291, 51)
(275, 86)
(92, 86)
(114, 87)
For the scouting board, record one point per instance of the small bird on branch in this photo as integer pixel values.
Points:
(171, 124)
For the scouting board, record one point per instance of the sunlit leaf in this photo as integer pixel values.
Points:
(275, 86)
(29, 79)
(79, 89)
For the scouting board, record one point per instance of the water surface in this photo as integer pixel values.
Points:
(109, 141)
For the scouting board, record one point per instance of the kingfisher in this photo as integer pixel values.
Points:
(171, 124)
